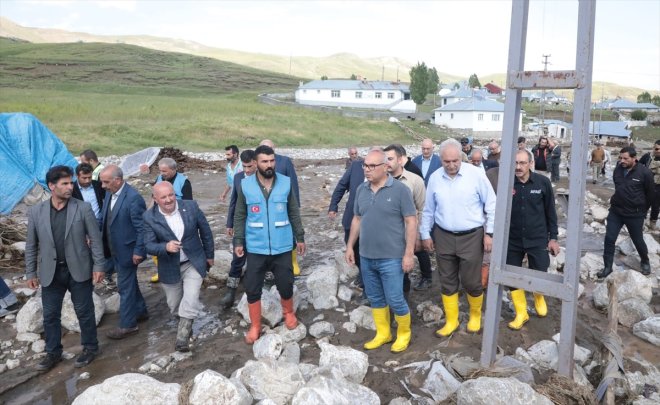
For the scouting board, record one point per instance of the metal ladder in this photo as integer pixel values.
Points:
(564, 287)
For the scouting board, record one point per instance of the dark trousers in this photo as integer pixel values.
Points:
(537, 257)
(635, 228)
(257, 265)
(4, 289)
(655, 204)
(81, 296)
(237, 263)
(131, 302)
(554, 170)
(424, 263)
(459, 257)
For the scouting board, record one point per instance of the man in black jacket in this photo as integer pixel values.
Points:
(633, 193)
(88, 190)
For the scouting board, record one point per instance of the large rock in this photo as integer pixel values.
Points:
(590, 265)
(581, 355)
(498, 391)
(112, 304)
(270, 379)
(271, 307)
(430, 312)
(363, 317)
(322, 287)
(545, 353)
(520, 371)
(291, 335)
(628, 248)
(322, 390)
(346, 271)
(648, 330)
(322, 329)
(269, 346)
(290, 353)
(130, 388)
(599, 213)
(440, 384)
(69, 318)
(30, 318)
(629, 284)
(632, 311)
(210, 387)
(221, 265)
(352, 363)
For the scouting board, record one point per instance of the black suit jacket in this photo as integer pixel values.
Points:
(98, 190)
(349, 182)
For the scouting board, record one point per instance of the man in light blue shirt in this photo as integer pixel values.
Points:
(457, 196)
(88, 190)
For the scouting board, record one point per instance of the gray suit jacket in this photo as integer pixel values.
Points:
(40, 247)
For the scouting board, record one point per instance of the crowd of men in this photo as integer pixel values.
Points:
(398, 208)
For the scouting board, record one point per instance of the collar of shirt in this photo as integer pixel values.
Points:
(176, 210)
(91, 186)
(116, 195)
(530, 179)
(427, 160)
(459, 173)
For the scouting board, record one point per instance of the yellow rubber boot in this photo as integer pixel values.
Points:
(539, 304)
(520, 305)
(403, 333)
(383, 333)
(474, 324)
(154, 278)
(450, 303)
(294, 261)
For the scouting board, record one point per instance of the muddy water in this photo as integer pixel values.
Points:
(224, 352)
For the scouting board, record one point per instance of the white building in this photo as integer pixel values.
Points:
(481, 116)
(381, 95)
(463, 93)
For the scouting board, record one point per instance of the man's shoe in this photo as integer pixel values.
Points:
(605, 272)
(423, 284)
(646, 268)
(12, 309)
(49, 361)
(120, 333)
(85, 358)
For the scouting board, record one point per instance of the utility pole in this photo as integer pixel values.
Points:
(382, 75)
(542, 110)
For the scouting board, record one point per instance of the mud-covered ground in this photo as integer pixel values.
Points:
(224, 352)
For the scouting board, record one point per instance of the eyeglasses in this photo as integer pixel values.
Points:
(371, 167)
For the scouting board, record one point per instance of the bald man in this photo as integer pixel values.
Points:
(428, 162)
(177, 232)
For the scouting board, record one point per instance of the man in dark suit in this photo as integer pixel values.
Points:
(123, 241)
(88, 190)
(178, 233)
(64, 237)
(428, 162)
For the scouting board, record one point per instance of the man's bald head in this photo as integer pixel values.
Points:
(268, 143)
(164, 196)
(427, 148)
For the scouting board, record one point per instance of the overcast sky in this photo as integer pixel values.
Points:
(457, 37)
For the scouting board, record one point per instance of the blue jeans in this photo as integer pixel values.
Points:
(131, 302)
(81, 296)
(383, 281)
(4, 289)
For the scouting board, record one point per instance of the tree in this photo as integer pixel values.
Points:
(656, 100)
(474, 81)
(644, 97)
(433, 83)
(419, 81)
(353, 77)
(638, 115)
(324, 77)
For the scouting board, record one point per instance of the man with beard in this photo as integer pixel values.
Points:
(633, 193)
(555, 159)
(266, 220)
(88, 190)
(541, 154)
(233, 166)
(653, 163)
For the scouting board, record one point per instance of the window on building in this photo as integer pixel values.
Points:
(390, 95)
(358, 94)
(335, 94)
(451, 116)
(318, 91)
(496, 117)
(480, 117)
(379, 94)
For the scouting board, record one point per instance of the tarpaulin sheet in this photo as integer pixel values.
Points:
(27, 150)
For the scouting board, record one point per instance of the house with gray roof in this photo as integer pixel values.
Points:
(480, 116)
(381, 95)
(616, 129)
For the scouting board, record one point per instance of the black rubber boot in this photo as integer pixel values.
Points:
(607, 269)
(227, 300)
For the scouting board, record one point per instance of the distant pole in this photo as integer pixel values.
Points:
(542, 110)
(382, 75)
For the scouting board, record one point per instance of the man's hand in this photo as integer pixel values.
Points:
(209, 263)
(230, 232)
(223, 198)
(137, 259)
(488, 243)
(301, 248)
(97, 276)
(427, 244)
(407, 263)
(349, 256)
(33, 283)
(332, 214)
(239, 251)
(173, 246)
(553, 247)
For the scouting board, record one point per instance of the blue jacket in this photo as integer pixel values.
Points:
(234, 196)
(435, 165)
(126, 226)
(179, 181)
(267, 227)
(197, 241)
(284, 165)
(349, 182)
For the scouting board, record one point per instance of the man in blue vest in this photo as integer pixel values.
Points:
(266, 219)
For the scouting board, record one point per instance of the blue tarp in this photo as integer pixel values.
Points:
(27, 150)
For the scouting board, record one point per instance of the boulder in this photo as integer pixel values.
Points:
(28, 337)
(112, 304)
(211, 387)
(599, 213)
(344, 293)
(649, 330)
(221, 266)
(350, 327)
(581, 355)
(130, 388)
(440, 384)
(545, 354)
(322, 286)
(630, 284)
(271, 307)
(632, 311)
(69, 318)
(352, 363)
(291, 335)
(519, 370)
(346, 271)
(39, 346)
(590, 265)
(30, 318)
(324, 390)
(290, 353)
(498, 391)
(430, 312)
(322, 329)
(362, 317)
(268, 346)
(270, 379)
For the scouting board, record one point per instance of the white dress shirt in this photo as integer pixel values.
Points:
(175, 222)
(115, 196)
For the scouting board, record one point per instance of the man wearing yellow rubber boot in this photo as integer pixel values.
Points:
(457, 196)
(385, 220)
(532, 231)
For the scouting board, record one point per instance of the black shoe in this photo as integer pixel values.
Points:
(605, 272)
(49, 361)
(646, 268)
(85, 358)
(120, 333)
(12, 309)
(227, 300)
(424, 284)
